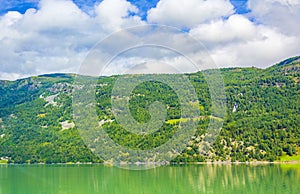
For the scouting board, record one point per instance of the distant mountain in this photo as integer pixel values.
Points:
(262, 121)
(290, 61)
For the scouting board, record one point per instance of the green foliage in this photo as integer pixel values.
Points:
(262, 122)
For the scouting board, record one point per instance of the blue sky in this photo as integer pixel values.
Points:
(143, 5)
(56, 35)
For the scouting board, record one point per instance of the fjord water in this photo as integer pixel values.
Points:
(91, 179)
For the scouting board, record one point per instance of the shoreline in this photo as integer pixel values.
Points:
(247, 162)
(164, 163)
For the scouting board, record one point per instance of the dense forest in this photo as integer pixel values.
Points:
(262, 121)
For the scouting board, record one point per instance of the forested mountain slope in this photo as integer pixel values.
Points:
(262, 121)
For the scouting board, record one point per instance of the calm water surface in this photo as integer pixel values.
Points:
(90, 179)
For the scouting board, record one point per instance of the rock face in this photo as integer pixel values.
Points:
(235, 107)
(67, 125)
(61, 87)
(102, 122)
(50, 99)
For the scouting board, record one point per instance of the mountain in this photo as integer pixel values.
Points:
(262, 117)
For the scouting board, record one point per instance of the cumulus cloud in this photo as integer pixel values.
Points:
(237, 41)
(281, 14)
(189, 13)
(57, 36)
(266, 49)
(235, 28)
(111, 14)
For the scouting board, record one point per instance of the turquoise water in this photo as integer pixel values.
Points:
(90, 179)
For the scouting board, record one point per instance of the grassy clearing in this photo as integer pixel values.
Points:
(3, 161)
(287, 158)
(175, 121)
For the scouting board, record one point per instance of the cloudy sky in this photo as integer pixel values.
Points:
(46, 36)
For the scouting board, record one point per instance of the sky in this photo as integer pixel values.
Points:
(48, 36)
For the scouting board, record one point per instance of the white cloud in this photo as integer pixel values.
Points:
(281, 14)
(57, 36)
(261, 52)
(111, 14)
(239, 42)
(12, 76)
(189, 13)
(235, 28)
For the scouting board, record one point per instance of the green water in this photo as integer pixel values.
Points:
(90, 179)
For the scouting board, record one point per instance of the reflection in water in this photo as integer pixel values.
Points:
(90, 179)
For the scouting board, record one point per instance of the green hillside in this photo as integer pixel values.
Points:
(262, 121)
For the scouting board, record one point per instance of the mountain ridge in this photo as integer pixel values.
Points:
(262, 121)
(289, 61)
